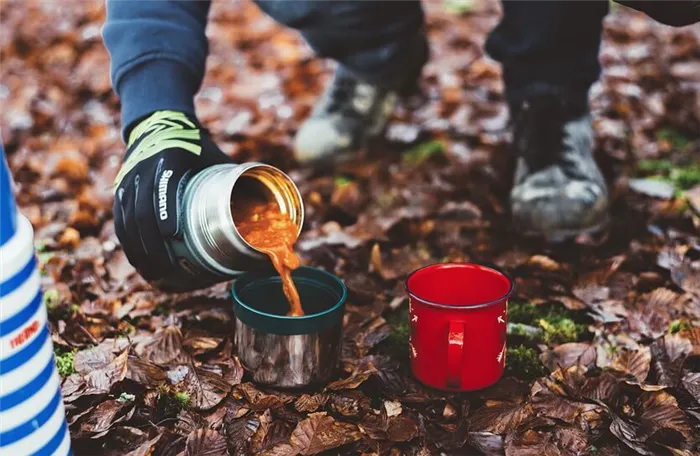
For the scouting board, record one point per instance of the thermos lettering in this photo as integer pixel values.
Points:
(24, 336)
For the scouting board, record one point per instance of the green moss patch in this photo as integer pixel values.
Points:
(64, 361)
(558, 324)
(524, 363)
(171, 402)
(396, 345)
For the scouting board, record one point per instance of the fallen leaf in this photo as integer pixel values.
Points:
(354, 380)
(283, 449)
(144, 372)
(260, 400)
(146, 449)
(691, 382)
(199, 343)
(203, 442)
(320, 432)
(569, 354)
(687, 277)
(234, 371)
(205, 388)
(101, 419)
(258, 439)
(164, 348)
(86, 361)
(486, 442)
(660, 411)
(635, 363)
(401, 429)
(627, 433)
(393, 408)
(239, 432)
(307, 403)
(102, 379)
(499, 417)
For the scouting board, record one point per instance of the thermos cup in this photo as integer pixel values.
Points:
(458, 316)
(32, 417)
(282, 351)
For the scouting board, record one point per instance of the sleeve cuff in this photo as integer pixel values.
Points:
(153, 86)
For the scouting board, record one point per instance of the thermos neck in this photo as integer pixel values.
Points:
(8, 208)
(208, 199)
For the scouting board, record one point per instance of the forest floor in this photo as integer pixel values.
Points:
(604, 334)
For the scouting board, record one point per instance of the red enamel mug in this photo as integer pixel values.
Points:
(458, 315)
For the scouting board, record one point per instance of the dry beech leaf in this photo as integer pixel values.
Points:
(535, 442)
(486, 442)
(320, 432)
(401, 429)
(259, 438)
(101, 418)
(86, 361)
(357, 378)
(165, 348)
(206, 389)
(103, 378)
(691, 382)
(660, 411)
(677, 346)
(146, 449)
(635, 363)
(240, 431)
(543, 262)
(204, 442)
(679, 451)
(569, 354)
(234, 371)
(687, 277)
(283, 449)
(627, 433)
(393, 408)
(127, 437)
(561, 408)
(144, 372)
(306, 403)
(499, 417)
(259, 400)
(199, 343)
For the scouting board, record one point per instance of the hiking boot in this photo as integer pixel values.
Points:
(349, 113)
(559, 191)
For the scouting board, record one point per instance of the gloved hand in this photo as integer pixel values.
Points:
(163, 151)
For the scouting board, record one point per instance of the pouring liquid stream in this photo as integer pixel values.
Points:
(263, 225)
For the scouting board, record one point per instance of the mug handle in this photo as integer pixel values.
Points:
(455, 350)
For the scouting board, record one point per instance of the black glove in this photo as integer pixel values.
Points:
(163, 151)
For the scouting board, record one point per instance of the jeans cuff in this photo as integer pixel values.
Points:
(574, 96)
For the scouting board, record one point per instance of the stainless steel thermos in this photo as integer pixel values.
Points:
(208, 248)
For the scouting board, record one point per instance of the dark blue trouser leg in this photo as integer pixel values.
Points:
(379, 41)
(550, 47)
(543, 46)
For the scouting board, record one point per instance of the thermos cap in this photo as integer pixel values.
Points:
(8, 208)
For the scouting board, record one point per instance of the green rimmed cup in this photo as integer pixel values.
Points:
(282, 351)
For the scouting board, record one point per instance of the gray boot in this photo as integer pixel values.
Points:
(348, 114)
(559, 191)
